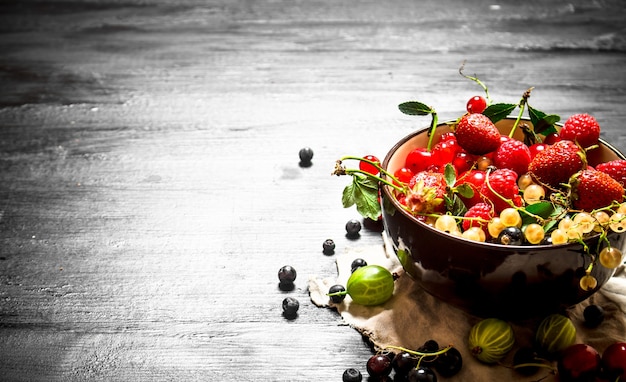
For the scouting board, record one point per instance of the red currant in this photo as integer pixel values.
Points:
(536, 148)
(476, 104)
(551, 138)
(404, 175)
(364, 166)
(419, 160)
(445, 151)
(462, 161)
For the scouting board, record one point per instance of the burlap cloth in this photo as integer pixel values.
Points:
(412, 316)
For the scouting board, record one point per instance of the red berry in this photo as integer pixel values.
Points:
(483, 212)
(582, 128)
(578, 362)
(557, 163)
(503, 182)
(512, 154)
(475, 179)
(404, 175)
(477, 134)
(445, 151)
(536, 148)
(614, 361)
(476, 104)
(462, 161)
(591, 189)
(552, 138)
(364, 166)
(419, 160)
(427, 190)
(615, 168)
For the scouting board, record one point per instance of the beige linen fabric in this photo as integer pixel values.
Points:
(412, 316)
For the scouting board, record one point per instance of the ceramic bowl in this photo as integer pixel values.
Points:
(488, 279)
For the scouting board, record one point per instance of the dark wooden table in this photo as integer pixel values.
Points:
(149, 179)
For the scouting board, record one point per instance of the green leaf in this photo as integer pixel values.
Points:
(498, 111)
(449, 175)
(415, 108)
(363, 191)
(465, 190)
(543, 123)
(543, 209)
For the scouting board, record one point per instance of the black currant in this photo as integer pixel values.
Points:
(422, 374)
(403, 363)
(328, 247)
(379, 365)
(511, 236)
(594, 315)
(353, 227)
(357, 263)
(449, 363)
(430, 346)
(525, 355)
(290, 307)
(287, 274)
(352, 375)
(337, 289)
(306, 154)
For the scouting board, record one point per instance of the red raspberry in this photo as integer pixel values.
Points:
(504, 182)
(512, 154)
(616, 169)
(482, 211)
(477, 134)
(582, 128)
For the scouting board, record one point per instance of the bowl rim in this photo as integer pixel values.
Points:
(411, 217)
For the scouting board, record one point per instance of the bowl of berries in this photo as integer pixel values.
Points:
(498, 214)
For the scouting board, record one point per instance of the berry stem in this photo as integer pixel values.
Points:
(349, 171)
(522, 107)
(433, 127)
(419, 353)
(479, 82)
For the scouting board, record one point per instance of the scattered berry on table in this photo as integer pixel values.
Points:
(524, 361)
(477, 134)
(306, 155)
(328, 247)
(286, 277)
(352, 375)
(593, 315)
(422, 374)
(429, 346)
(337, 289)
(449, 363)
(582, 128)
(403, 363)
(379, 365)
(287, 274)
(290, 307)
(353, 227)
(357, 263)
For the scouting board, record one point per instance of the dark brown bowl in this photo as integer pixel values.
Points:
(488, 279)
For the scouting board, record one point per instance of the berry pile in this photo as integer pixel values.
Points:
(422, 364)
(477, 183)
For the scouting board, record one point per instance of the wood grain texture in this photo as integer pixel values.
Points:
(149, 180)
